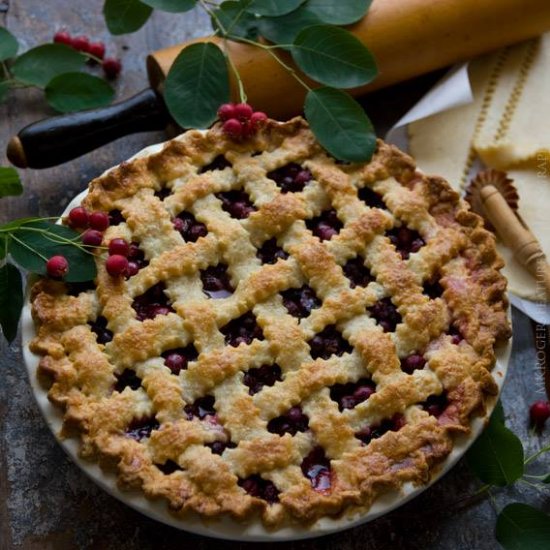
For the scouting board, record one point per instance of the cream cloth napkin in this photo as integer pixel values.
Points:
(507, 126)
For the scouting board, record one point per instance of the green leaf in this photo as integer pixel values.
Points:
(340, 124)
(274, 8)
(125, 16)
(283, 30)
(235, 20)
(4, 87)
(77, 91)
(29, 247)
(497, 455)
(173, 6)
(39, 65)
(546, 479)
(8, 44)
(11, 300)
(10, 184)
(334, 57)
(197, 84)
(522, 527)
(343, 12)
(498, 412)
(3, 246)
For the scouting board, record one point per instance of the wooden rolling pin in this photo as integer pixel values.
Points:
(407, 38)
(516, 236)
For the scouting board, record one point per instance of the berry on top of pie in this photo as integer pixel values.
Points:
(295, 335)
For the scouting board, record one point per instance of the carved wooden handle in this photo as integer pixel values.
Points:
(521, 241)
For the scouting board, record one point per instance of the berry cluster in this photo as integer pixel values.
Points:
(95, 50)
(240, 120)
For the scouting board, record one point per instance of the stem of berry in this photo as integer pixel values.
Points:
(530, 459)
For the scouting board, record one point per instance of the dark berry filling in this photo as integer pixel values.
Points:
(300, 301)
(371, 198)
(291, 178)
(259, 487)
(215, 281)
(115, 217)
(99, 326)
(152, 303)
(177, 359)
(405, 240)
(218, 447)
(237, 203)
(271, 252)
(189, 227)
(350, 395)
(203, 406)
(435, 404)
(142, 427)
(386, 314)
(326, 225)
(163, 192)
(128, 379)
(292, 422)
(369, 433)
(316, 467)
(74, 289)
(219, 163)
(242, 330)
(357, 272)
(412, 362)
(328, 342)
(266, 375)
(456, 335)
(433, 289)
(136, 259)
(169, 467)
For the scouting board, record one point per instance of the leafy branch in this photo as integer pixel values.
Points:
(331, 57)
(54, 68)
(497, 459)
(30, 242)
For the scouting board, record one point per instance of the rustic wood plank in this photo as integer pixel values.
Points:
(45, 500)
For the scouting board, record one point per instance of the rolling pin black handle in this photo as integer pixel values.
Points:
(56, 140)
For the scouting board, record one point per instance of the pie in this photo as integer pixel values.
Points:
(294, 336)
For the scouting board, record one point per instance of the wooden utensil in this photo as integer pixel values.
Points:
(407, 38)
(516, 235)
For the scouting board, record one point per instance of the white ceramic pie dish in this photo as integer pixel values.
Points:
(226, 528)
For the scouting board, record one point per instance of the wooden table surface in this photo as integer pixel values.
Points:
(46, 502)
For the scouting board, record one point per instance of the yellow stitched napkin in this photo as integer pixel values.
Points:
(508, 127)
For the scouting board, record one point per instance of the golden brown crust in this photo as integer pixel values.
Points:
(458, 253)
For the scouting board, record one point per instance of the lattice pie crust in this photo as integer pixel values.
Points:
(308, 335)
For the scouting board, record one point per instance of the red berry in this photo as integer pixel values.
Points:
(233, 128)
(132, 269)
(539, 413)
(63, 37)
(119, 246)
(78, 217)
(57, 267)
(243, 111)
(116, 265)
(111, 67)
(99, 221)
(80, 43)
(92, 237)
(226, 111)
(97, 49)
(257, 119)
